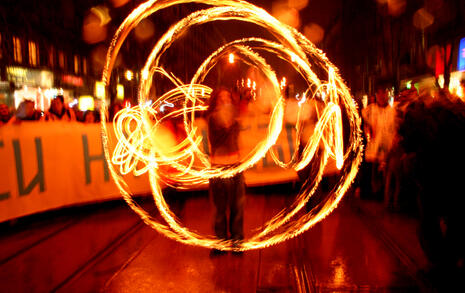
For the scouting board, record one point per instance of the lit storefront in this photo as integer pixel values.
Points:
(430, 83)
(31, 84)
(6, 95)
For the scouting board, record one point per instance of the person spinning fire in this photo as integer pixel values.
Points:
(227, 194)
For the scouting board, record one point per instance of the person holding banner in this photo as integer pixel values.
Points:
(4, 114)
(227, 194)
(58, 111)
(25, 112)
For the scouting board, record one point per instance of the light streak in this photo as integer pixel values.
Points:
(283, 82)
(142, 146)
(166, 104)
(302, 100)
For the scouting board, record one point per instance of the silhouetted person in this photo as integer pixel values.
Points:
(398, 162)
(433, 132)
(115, 107)
(227, 194)
(380, 126)
(89, 117)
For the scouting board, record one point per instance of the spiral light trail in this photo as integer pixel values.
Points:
(141, 145)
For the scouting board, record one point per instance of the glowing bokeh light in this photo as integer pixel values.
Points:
(92, 29)
(119, 3)
(144, 30)
(422, 19)
(287, 15)
(144, 145)
(314, 32)
(396, 7)
(297, 4)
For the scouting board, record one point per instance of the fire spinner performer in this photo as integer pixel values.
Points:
(138, 149)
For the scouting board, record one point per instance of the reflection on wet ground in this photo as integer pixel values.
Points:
(107, 248)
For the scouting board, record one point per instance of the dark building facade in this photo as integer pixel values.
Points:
(41, 52)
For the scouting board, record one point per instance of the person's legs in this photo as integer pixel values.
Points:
(237, 199)
(365, 180)
(219, 198)
(377, 181)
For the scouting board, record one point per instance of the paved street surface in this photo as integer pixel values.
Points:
(105, 247)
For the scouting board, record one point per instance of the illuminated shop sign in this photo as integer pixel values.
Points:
(461, 61)
(24, 76)
(72, 80)
(16, 72)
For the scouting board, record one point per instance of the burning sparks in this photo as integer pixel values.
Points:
(144, 145)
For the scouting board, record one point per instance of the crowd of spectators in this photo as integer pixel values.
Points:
(58, 111)
(414, 153)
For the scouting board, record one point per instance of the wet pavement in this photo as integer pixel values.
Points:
(106, 248)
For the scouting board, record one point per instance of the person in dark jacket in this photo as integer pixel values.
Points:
(432, 131)
(227, 194)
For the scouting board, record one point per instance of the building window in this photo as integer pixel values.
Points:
(1, 47)
(61, 59)
(18, 56)
(84, 65)
(32, 53)
(51, 56)
(76, 64)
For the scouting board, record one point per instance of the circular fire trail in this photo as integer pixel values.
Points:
(141, 137)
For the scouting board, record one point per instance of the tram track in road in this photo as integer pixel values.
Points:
(303, 285)
(55, 249)
(327, 259)
(40, 240)
(69, 223)
(299, 279)
(103, 253)
(304, 279)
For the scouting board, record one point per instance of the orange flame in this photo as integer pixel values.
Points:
(139, 149)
